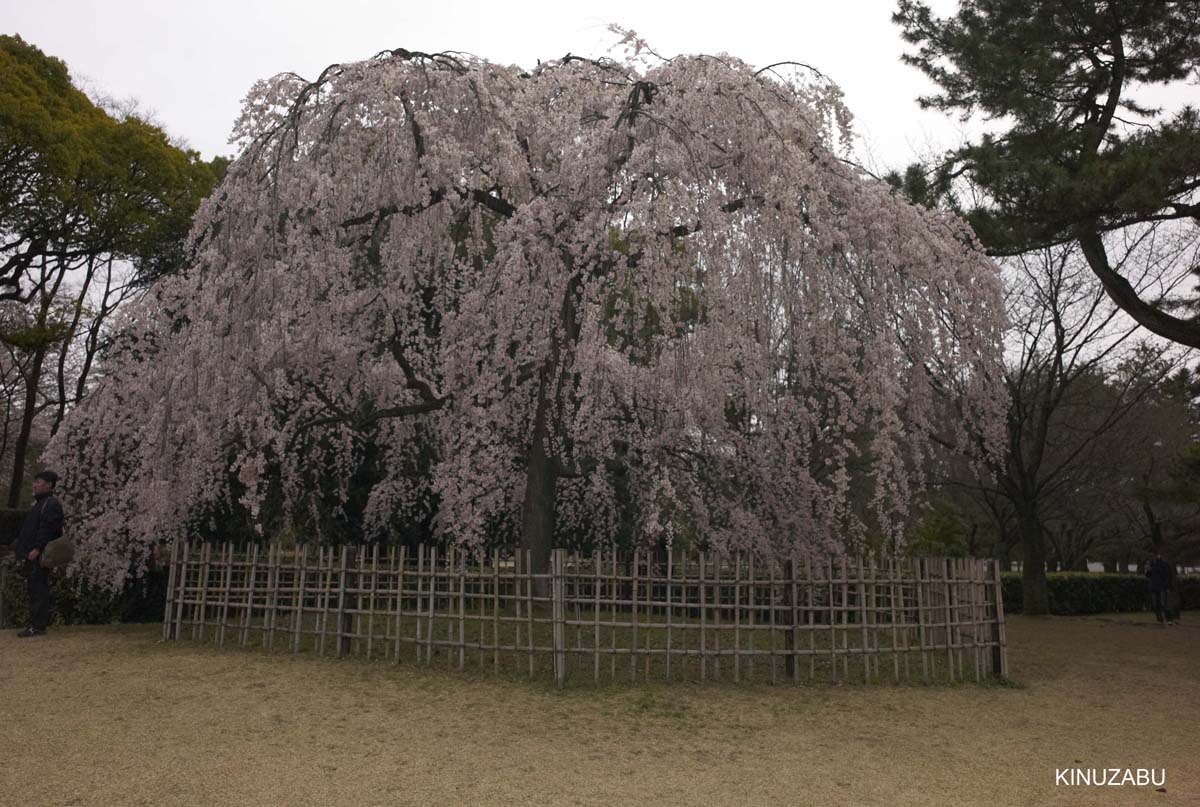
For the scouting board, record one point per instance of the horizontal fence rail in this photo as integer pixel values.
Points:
(605, 616)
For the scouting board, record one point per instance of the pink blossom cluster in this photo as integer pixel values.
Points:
(647, 295)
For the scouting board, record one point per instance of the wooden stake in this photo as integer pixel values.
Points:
(795, 631)
(462, 611)
(168, 611)
(248, 616)
(999, 648)
(596, 608)
(206, 558)
(737, 617)
(227, 558)
(302, 579)
(432, 604)
(703, 624)
(403, 561)
(529, 604)
(670, 576)
(771, 615)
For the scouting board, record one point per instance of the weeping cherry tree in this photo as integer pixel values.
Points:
(644, 300)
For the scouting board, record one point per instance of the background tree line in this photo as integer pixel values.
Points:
(95, 204)
(1085, 190)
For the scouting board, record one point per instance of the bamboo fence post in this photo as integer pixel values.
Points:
(873, 614)
(750, 618)
(432, 604)
(771, 615)
(716, 626)
(794, 632)
(4, 564)
(895, 615)
(1000, 647)
(946, 587)
(206, 559)
(647, 655)
(301, 558)
(809, 589)
(356, 582)
(323, 586)
(462, 611)
(737, 617)
(703, 624)
(670, 576)
(342, 635)
(845, 619)
(516, 598)
(181, 585)
(387, 612)
(248, 616)
(419, 600)
(596, 608)
(529, 605)
(451, 564)
(863, 618)
(480, 601)
(920, 574)
(575, 583)
(557, 587)
(371, 598)
(167, 609)
(227, 558)
(976, 590)
(633, 598)
(274, 557)
(956, 608)
(495, 611)
(833, 625)
(614, 591)
(402, 561)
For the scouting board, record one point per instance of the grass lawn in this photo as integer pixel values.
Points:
(111, 716)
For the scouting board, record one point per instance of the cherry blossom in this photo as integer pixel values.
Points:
(649, 298)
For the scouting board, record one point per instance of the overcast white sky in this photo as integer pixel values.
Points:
(191, 63)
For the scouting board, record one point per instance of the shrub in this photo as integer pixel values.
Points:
(75, 602)
(1095, 593)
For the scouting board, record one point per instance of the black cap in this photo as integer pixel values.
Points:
(47, 476)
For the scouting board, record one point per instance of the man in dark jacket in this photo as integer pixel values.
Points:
(1162, 578)
(43, 524)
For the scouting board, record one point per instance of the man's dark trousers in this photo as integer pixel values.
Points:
(37, 586)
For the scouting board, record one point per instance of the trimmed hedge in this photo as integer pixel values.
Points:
(1095, 592)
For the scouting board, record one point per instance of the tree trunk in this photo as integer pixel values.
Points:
(20, 449)
(1035, 599)
(537, 512)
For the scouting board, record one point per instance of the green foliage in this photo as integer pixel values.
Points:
(75, 602)
(940, 532)
(1094, 593)
(76, 182)
(1060, 74)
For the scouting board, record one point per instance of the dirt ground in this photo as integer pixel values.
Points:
(111, 716)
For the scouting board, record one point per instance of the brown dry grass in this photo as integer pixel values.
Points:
(110, 716)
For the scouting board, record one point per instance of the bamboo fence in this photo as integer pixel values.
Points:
(603, 616)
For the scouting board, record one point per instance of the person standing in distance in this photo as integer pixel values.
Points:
(43, 524)
(1162, 579)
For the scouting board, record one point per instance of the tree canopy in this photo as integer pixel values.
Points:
(76, 182)
(92, 206)
(1081, 154)
(590, 297)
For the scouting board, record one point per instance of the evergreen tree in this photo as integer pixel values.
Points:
(1082, 155)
